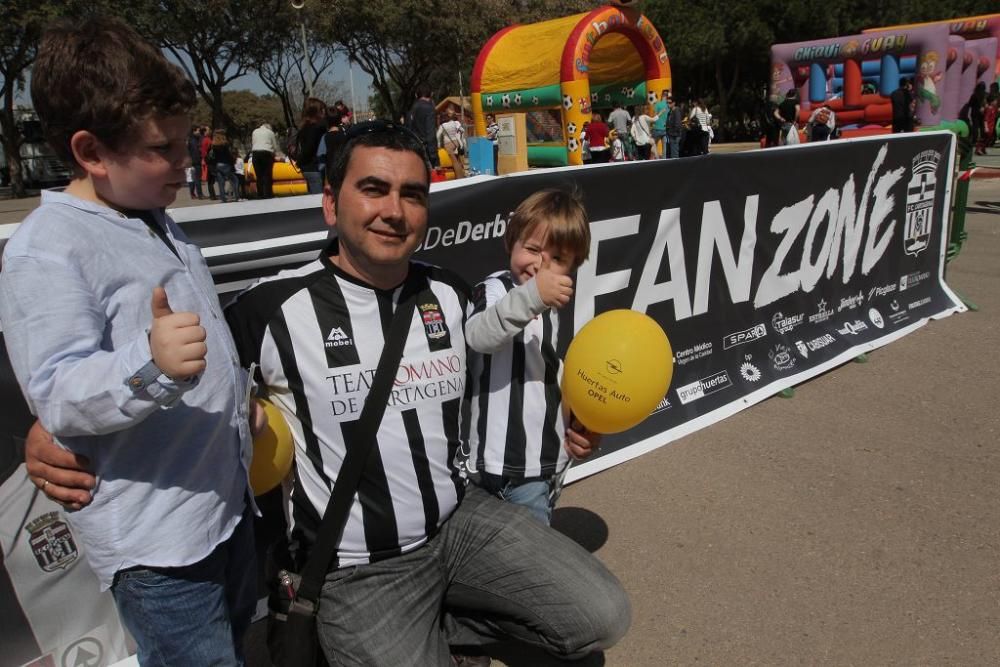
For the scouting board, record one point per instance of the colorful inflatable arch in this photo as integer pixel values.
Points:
(573, 64)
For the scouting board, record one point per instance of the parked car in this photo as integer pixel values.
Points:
(40, 168)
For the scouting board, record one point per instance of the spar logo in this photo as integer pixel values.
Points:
(783, 324)
(756, 332)
(703, 387)
(822, 314)
(920, 202)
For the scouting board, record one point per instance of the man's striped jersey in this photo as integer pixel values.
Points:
(517, 425)
(317, 334)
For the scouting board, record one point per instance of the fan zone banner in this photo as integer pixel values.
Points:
(764, 268)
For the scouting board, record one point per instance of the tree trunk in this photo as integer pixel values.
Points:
(725, 92)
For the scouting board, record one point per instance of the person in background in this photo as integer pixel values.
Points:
(194, 152)
(598, 132)
(346, 117)
(787, 114)
(675, 129)
(493, 134)
(902, 106)
(240, 168)
(421, 119)
(451, 137)
(221, 155)
(307, 141)
(821, 123)
(333, 140)
(642, 133)
(660, 110)
(585, 153)
(206, 145)
(264, 150)
(617, 146)
(620, 121)
(700, 122)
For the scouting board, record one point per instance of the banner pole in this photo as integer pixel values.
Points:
(958, 233)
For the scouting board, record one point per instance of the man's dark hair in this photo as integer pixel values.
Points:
(374, 134)
(102, 77)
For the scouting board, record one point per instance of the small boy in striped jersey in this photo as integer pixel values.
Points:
(521, 435)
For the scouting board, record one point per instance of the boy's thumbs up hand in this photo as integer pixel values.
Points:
(176, 340)
(554, 288)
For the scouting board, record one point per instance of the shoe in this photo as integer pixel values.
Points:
(471, 660)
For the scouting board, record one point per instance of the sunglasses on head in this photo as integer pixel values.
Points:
(382, 126)
(379, 126)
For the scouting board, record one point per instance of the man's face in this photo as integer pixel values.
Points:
(380, 213)
(148, 170)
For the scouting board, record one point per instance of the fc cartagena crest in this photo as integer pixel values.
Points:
(430, 313)
(920, 202)
(52, 542)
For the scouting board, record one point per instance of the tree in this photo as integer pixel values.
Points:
(405, 45)
(288, 72)
(21, 25)
(215, 41)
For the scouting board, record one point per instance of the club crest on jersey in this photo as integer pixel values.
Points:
(430, 313)
(52, 542)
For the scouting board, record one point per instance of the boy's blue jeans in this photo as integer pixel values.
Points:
(493, 572)
(534, 494)
(197, 614)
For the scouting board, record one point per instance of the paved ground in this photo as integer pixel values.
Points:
(855, 524)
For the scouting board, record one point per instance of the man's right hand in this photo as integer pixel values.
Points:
(554, 287)
(176, 340)
(60, 474)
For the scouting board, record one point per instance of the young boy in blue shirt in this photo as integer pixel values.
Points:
(117, 339)
(521, 434)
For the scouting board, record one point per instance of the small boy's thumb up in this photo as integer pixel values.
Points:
(554, 288)
(176, 340)
(160, 304)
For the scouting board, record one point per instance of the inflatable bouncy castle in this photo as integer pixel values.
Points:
(855, 75)
(560, 71)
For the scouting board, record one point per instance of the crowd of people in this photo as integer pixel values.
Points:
(780, 123)
(220, 169)
(661, 130)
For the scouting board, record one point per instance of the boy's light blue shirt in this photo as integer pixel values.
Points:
(171, 459)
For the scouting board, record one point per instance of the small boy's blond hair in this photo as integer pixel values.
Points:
(563, 213)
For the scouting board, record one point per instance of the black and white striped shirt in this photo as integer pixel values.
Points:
(517, 423)
(317, 334)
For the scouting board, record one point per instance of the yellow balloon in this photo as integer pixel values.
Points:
(273, 452)
(617, 370)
